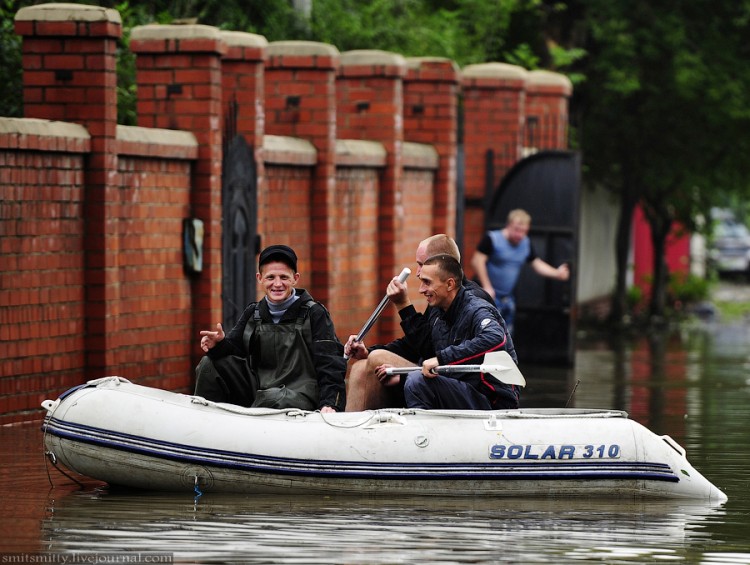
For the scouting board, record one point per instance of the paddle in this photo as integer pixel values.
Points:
(379, 310)
(498, 364)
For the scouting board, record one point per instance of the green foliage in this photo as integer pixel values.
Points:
(688, 289)
(662, 122)
(466, 31)
(634, 298)
(11, 94)
(131, 16)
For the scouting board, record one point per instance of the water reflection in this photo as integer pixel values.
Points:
(693, 385)
(282, 529)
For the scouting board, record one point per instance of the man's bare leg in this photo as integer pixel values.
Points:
(363, 389)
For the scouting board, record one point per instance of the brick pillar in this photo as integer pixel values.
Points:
(301, 102)
(70, 75)
(494, 112)
(243, 83)
(431, 89)
(370, 106)
(243, 93)
(547, 95)
(178, 73)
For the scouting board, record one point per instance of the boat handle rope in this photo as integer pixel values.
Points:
(49, 456)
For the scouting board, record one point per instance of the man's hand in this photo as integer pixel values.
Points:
(563, 272)
(398, 293)
(384, 378)
(209, 339)
(355, 349)
(428, 366)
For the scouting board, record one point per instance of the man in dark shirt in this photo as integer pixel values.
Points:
(368, 387)
(282, 353)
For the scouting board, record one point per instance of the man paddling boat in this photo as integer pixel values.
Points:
(368, 386)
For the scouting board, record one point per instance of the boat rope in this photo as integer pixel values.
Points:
(198, 492)
(248, 411)
(50, 457)
(368, 415)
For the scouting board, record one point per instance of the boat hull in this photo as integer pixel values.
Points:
(140, 437)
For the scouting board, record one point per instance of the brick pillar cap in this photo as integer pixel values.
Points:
(308, 48)
(370, 57)
(541, 79)
(158, 32)
(433, 68)
(67, 12)
(243, 39)
(35, 126)
(501, 71)
(416, 62)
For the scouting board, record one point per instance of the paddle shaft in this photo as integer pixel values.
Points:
(446, 369)
(502, 372)
(379, 310)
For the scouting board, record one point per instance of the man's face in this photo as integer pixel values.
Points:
(517, 231)
(278, 280)
(435, 290)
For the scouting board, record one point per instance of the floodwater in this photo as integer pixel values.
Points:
(693, 385)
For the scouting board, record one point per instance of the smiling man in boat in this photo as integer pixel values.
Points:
(282, 353)
(368, 386)
(463, 329)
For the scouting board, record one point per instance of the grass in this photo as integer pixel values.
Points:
(730, 310)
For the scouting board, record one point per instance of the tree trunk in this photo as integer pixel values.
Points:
(622, 252)
(660, 228)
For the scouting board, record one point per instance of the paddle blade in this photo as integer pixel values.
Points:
(500, 365)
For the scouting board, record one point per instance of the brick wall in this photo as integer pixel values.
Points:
(359, 165)
(154, 337)
(356, 157)
(42, 323)
(369, 103)
(286, 207)
(179, 78)
(546, 124)
(300, 102)
(494, 109)
(431, 97)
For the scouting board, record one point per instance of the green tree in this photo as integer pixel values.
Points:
(11, 94)
(663, 115)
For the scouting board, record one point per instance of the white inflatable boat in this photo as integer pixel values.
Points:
(135, 436)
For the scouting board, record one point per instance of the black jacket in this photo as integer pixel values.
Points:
(327, 350)
(417, 344)
(462, 335)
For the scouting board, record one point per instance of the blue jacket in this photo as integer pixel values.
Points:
(417, 344)
(470, 328)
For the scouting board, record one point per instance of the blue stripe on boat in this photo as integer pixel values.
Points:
(569, 470)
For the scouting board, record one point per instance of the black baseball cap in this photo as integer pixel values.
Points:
(281, 253)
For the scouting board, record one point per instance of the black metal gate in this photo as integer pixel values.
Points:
(240, 222)
(547, 186)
